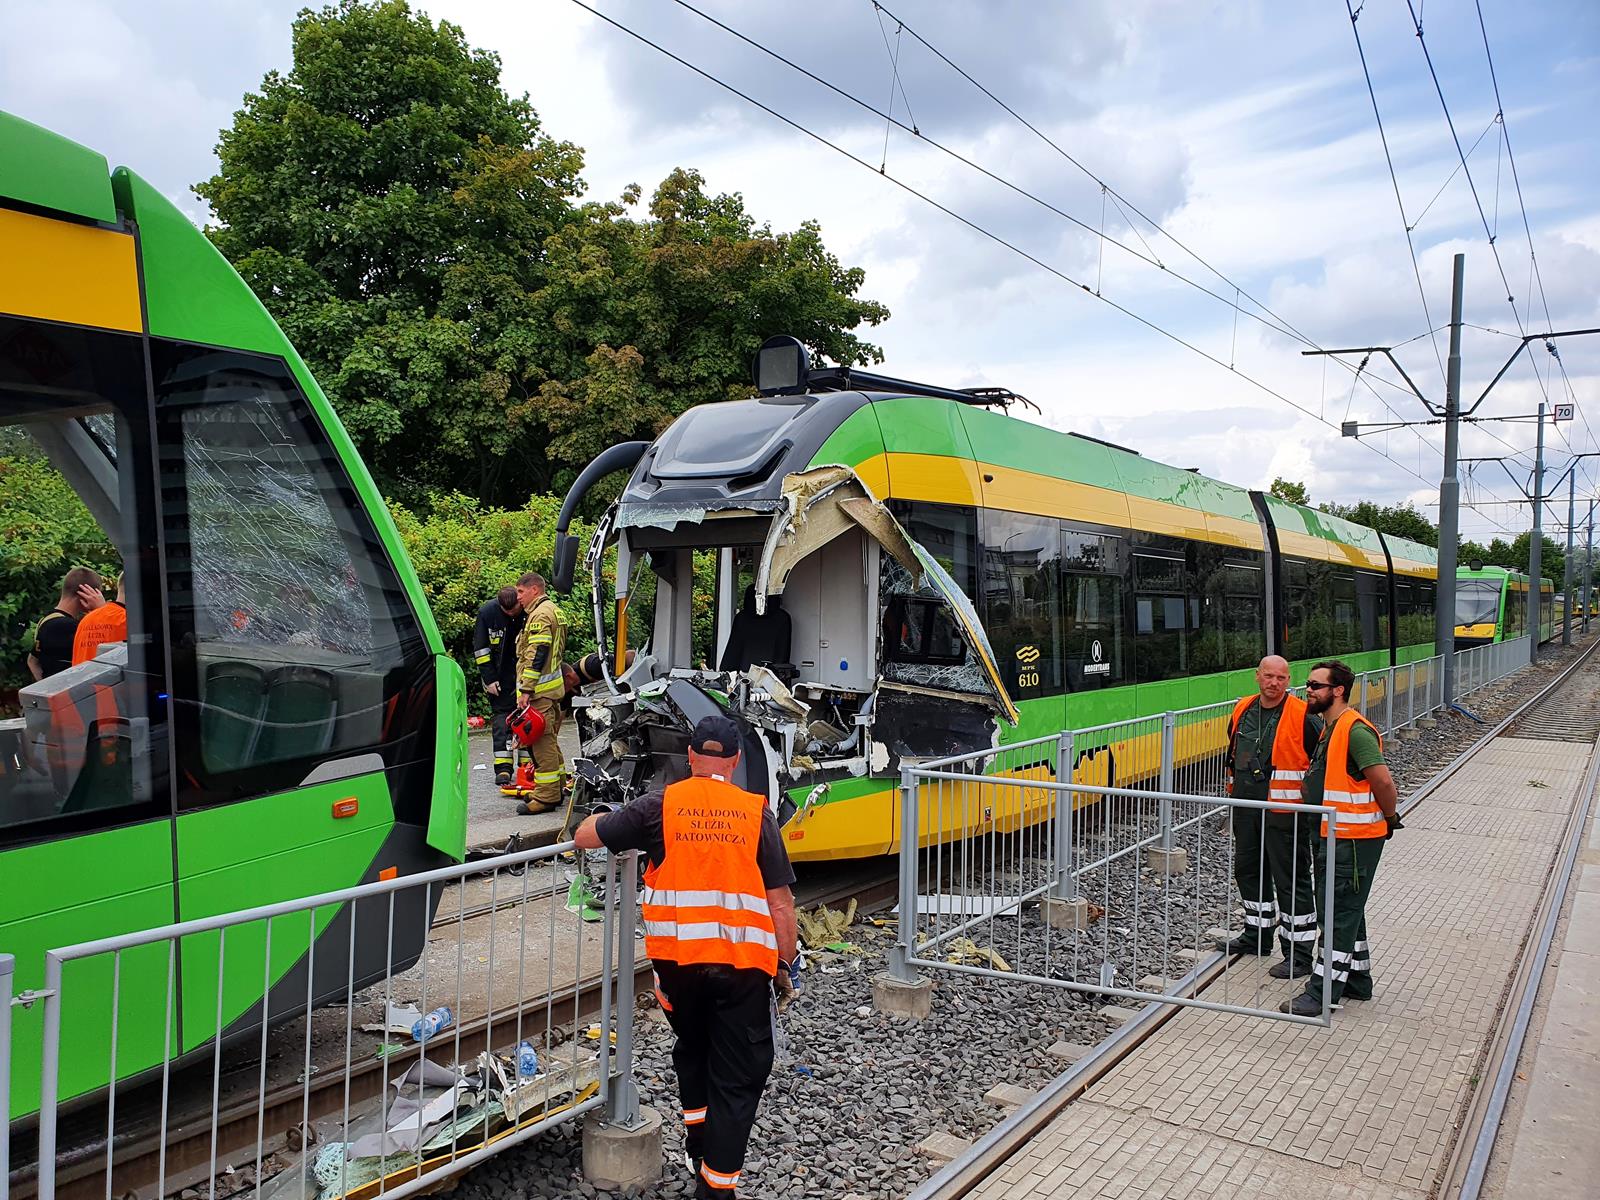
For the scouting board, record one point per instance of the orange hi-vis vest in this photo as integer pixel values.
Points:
(1359, 814)
(706, 902)
(1289, 757)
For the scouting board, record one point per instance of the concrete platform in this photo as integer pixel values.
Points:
(491, 817)
(1216, 1104)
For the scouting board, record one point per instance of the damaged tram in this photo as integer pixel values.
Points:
(900, 573)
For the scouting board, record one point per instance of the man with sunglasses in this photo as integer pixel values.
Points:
(1348, 774)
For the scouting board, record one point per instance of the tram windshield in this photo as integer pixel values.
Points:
(185, 546)
(1477, 601)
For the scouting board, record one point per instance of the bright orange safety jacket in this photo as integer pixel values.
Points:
(707, 902)
(1359, 814)
(1289, 755)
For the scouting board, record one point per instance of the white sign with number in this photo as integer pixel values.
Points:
(1563, 412)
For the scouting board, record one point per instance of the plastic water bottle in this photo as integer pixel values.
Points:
(439, 1018)
(527, 1060)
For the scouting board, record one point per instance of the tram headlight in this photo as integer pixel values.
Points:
(782, 366)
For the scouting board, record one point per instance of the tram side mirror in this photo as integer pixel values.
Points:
(566, 562)
(782, 367)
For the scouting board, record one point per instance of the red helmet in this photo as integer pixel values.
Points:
(526, 725)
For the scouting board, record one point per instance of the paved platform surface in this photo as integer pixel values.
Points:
(1216, 1104)
(491, 817)
(1548, 1146)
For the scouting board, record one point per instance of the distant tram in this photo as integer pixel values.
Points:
(890, 572)
(1492, 606)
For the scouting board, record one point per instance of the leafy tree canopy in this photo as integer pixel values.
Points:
(1291, 490)
(479, 326)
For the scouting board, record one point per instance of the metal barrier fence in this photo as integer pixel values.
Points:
(1113, 891)
(305, 1103)
(1479, 666)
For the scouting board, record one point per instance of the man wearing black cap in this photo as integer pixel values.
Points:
(720, 928)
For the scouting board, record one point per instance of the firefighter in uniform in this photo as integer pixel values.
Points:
(720, 928)
(1348, 774)
(1270, 739)
(541, 687)
(494, 650)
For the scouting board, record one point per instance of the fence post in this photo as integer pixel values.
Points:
(623, 1101)
(6, 966)
(1066, 885)
(1388, 704)
(49, 1077)
(905, 939)
(1411, 695)
(1169, 727)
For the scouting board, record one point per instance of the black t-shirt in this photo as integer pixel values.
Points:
(52, 642)
(637, 826)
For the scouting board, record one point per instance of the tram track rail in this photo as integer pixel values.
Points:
(186, 1155)
(1475, 1136)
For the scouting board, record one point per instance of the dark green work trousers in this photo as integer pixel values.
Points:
(1292, 860)
(1254, 877)
(1344, 931)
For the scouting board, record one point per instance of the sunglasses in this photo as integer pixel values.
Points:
(1312, 686)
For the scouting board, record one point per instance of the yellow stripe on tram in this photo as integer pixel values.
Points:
(61, 271)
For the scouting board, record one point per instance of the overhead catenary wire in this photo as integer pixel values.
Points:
(973, 225)
(1383, 136)
(1276, 322)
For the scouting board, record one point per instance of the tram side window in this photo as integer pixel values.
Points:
(1372, 602)
(1233, 635)
(1416, 627)
(293, 639)
(948, 533)
(1164, 619)
(1339, 605)
(1092, 569)
(1020, 603)
(85, 748)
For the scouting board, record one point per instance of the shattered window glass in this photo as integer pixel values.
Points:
(293, 639)
(912, 613)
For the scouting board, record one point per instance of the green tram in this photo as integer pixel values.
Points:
(921, 576)
(282, 719)
(1492, 606)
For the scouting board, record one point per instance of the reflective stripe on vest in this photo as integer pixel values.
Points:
(1289, 758)
(1359, 814)
(706, 901)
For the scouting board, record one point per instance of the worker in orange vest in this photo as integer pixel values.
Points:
(719, 927)
(1270, 740)
(1348, 774)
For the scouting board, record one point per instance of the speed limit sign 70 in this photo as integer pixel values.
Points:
(1563, 412)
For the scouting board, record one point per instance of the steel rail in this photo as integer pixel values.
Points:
(961, 1175)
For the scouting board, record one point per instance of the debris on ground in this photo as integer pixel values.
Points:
(397, 1018)
(965, 951)
(824, 928)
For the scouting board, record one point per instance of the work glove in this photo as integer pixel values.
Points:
(785, 984)
(1394, 823)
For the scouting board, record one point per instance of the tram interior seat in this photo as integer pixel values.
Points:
(267, 703)
(754, 637)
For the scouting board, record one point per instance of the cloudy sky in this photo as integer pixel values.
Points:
(1241, 130)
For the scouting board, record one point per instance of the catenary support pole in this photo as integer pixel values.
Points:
(1444, 624)
(1588, 570)
(1536, 543)
(1566, 574)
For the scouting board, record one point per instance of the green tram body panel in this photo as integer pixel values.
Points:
(236, 833)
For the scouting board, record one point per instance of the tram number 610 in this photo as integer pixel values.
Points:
(1027, 666)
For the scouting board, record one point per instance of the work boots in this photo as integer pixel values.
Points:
(1249, 943)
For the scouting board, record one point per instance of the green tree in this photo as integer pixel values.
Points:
(424, 244)
(46, 531)
(1401, 520)
(1552, 557)
(1290, 490)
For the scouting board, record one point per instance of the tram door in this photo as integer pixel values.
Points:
(85, 802)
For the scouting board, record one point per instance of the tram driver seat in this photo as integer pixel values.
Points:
(759, 638)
